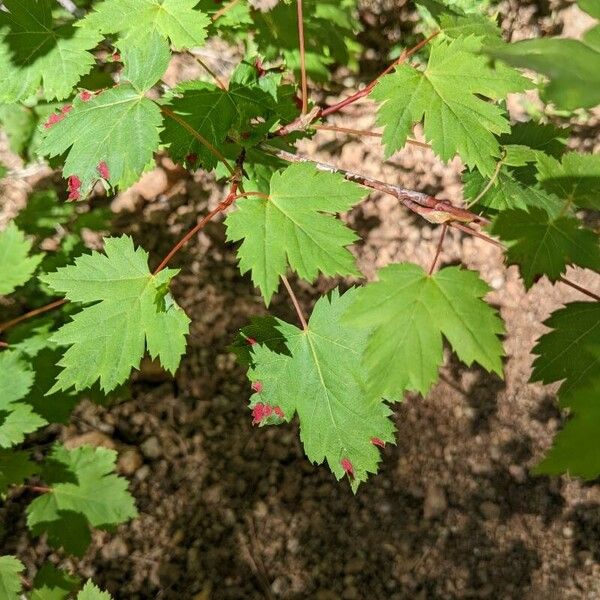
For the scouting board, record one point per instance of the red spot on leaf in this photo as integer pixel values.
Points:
(261, 71)
(298, 102)
(245, 135)
(53, 119)
(377, 442)
(260, 412)
(86, 96)
(116, 57)
(250, 341)
(348, 468)
(278, 412)
(103, 170)
(257, 386)
(66, 109)
(74, 188)
(191, 158)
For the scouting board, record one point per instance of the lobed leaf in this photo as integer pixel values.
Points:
(16, 266)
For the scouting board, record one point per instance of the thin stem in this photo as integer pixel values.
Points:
(488, 185)
(32, 313)
(579, 288)
(295, 302)
(224, 10)
(477, 234)
(40, 489)
(194, 230)
(367, 89)
(169, 113)
(302, 57)
(218, 81)
(365, 133)
(438, 249)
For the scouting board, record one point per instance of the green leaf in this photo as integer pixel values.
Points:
(16, 267)
(44, 214)
(446, 95)
(146, 58)
(262, 330)
(10, 578)
(37, 50)
(15, 467)
(322, 380)
(173, 19)
(65, 530)
(118, 128)
(508, 193)
(571, 353)
(455, 23)
(291, 227)
(52, 584)
(18, 122)
(543, 245)
(576, 178)
(410, 312)
(91, 592)
(133, 311)
(591, 7)
(571, 65)
(83, 482)
(16, 418)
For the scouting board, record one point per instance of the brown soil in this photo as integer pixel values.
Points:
(231, 512)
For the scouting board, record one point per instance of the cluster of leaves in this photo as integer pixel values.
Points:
(86, 92)
(49, 584)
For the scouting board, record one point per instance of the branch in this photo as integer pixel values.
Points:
(32, 313)
(302, 122)
(218, 81)
(438, 249)
(430, 208)
(365, 133)
(222, 206)
(302, 57)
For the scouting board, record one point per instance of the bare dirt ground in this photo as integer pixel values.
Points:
(231, 512)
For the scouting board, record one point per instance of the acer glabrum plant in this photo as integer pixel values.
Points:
(339, 370)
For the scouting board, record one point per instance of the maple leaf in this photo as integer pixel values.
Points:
(576, 178)
(82, 482)
(52, 584)
(91, 592)
(15, 467)
(16, 418)
(16, 266)
(544, 245)
(118, 127)
(34, 52)
(133, 311)
(10, 578)
(507, 192)
(446, 95)
(570, 353)
(290, 227)
(322, 380)
(410, 312)
(173, 19)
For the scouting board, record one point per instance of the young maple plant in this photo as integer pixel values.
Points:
(83, 89)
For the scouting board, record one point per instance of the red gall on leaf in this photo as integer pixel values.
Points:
(66, 109)
(260, 412)
(103, 170)
(257, 387)
(191, 158)
(250, 341)
(260, 70)
(116, 57)
(278, 412)
(86, 96)
(348, 468)
(53, 119)
(74, 187)
(378, 442)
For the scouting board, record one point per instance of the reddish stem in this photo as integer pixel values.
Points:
(367, 89)
(365, 133)
(224, 10)
(295, 302)
(32, 313)
(302, 57)
(438, 249)
(579, 288)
